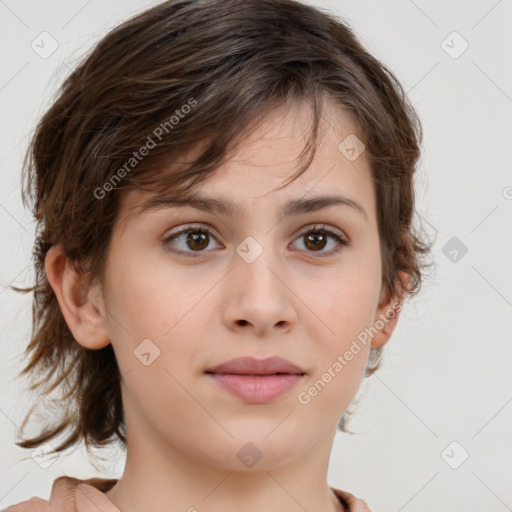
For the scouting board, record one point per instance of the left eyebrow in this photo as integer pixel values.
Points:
(227, 207)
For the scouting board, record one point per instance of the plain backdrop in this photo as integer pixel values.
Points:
(433, 429)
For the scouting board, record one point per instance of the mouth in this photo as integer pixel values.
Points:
(257, 381)
(251, 366)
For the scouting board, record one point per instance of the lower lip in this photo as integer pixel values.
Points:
(257, 389)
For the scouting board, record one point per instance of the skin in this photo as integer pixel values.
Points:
(305, 305)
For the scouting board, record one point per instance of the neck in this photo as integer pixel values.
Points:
(161, 477)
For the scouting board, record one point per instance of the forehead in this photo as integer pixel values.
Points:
(266, 159)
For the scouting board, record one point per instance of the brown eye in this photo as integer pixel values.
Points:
(197, 240)
(192, 239)
(317, 238)
(315, 241)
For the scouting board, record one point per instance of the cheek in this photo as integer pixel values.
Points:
(344, 302)
(149, 297)
(155, 302)
(342, 346)
(151, 339)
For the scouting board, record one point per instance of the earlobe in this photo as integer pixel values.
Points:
(388, 312)
(81, 305)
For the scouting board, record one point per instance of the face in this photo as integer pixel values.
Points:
(300, 286)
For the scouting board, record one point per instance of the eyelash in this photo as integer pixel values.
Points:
(316, 229)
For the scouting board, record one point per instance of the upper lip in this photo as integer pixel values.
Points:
(252, 366)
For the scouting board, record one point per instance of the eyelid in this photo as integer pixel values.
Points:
(184, 228)
(319, 226)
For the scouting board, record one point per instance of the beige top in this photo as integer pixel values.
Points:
(74, 495)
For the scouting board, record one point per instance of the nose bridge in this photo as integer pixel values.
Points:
(257, 262)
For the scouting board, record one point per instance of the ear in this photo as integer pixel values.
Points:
(82, 306)
(388, 312)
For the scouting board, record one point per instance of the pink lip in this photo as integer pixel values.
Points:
(253, 366)
(257, 380)
(257, 388)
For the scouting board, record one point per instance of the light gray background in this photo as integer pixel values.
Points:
(447, 370)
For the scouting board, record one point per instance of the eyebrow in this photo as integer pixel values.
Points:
(229, 208)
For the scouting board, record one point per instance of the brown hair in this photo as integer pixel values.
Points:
(183, 75)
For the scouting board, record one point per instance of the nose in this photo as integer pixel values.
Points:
(260, 296)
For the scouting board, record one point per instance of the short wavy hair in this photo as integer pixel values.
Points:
(192, 74)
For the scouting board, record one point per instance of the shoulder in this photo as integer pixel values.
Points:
(62, 491)
(32, 505)
(350, 502)
(70, 493)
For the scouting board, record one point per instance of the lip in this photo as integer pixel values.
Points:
(257, 380)
(257, 389)
(253, 366)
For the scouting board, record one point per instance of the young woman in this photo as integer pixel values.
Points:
(224, 195)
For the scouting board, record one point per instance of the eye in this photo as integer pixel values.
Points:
(315, 239)
(198, 238)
